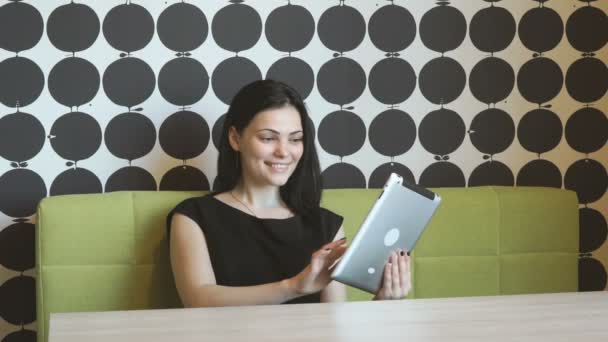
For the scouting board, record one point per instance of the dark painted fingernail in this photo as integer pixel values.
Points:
(344, 238)
(402, 253)
(408, 253)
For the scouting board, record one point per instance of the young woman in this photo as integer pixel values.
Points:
(261, 237)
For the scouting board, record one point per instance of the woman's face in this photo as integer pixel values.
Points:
(270, 146)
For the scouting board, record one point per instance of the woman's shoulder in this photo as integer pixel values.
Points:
(328, 214)
(326, 223)
(196, 208)
(330, 220)
(192, 207)
(196, 201)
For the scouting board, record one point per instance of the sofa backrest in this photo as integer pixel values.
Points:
(485, 240)
(100, 252)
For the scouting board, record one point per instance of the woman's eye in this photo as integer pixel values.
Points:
(297, 140)
(267, 139)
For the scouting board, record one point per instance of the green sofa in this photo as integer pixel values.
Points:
(100, 252)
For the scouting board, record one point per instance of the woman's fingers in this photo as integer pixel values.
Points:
(333, 255)
(395, 271)
(334, 244)
(408, 265)
(396, 278)
(325, 258)
(387, 282)
(327, 248)
(333, 250)
(336, 252)
(403, 270)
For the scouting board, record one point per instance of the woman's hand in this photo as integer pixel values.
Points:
(396, 281)
(317, 275)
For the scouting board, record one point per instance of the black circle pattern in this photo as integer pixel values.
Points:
(73, 27)
(294, 72)
(183, 81)
(73, 81)
(492, 29)
(442, 80)
(594, 230)
(17, 246)
(184, 178)
(491, 80)
(492, 131)
(587, 130)
(129, 81)
(379, 176)
(539, 172)
(342, 133)
(130, 136)
(27, 189)
(392, 132)
(341, 28)
(131, 178)
(21, 83)
(23, 335)
(239, 37)
(392, 80)
(588, 178)
(441, 131)
(587, 29)
(75, 136)
(232, 74)
(182, 27)
(290, 28)
(18, 297)
(443, 28)
(491, 173)
(392, 28)
(539, 80)
(128, 27)
(541, 29)
(184, 135)
(21, 136)
(341, 80)
(76, 181)
(539, 131)
(375, 67)
(587, 80)
(21, 26)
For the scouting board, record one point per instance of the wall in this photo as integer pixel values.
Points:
(108, 95)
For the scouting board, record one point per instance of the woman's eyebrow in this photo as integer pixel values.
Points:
(277, 132)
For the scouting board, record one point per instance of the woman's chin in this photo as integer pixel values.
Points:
(278, 179)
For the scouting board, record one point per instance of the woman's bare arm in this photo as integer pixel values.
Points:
(195, 278)
(335, 291)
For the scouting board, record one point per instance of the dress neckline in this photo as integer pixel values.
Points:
(222, 203)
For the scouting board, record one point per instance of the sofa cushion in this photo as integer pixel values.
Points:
(109, 251)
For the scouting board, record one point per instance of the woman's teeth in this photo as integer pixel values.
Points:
(278, 167)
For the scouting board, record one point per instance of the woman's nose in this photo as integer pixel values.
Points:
(281, 149)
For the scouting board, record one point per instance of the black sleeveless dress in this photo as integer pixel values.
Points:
(246, 250)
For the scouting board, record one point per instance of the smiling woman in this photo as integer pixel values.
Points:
(261, 237)
(270, 147)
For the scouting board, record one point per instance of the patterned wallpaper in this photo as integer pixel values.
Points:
(110, 95)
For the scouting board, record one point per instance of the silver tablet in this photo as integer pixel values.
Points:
(395, 221)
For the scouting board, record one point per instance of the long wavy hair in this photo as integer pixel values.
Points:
(302, 192)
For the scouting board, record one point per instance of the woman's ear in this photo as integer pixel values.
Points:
(233, 138)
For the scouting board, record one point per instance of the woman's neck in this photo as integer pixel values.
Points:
(258, 196)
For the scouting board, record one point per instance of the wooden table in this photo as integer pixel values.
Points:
(546, 317)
